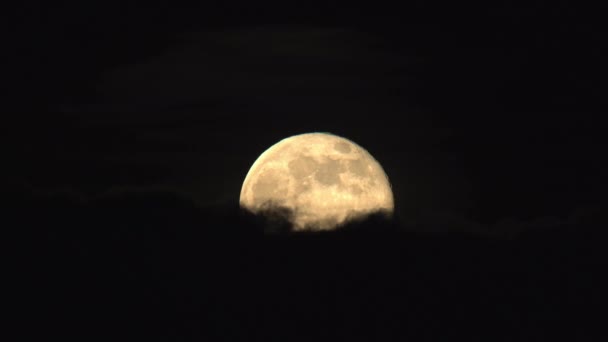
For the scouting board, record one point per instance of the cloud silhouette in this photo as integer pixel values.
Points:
(134, 258)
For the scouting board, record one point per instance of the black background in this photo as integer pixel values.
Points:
(131, 126)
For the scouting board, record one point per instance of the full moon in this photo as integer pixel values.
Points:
(321, 179)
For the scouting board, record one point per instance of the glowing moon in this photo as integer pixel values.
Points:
(323, 180)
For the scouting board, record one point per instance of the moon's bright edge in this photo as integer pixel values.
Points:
(322, 179)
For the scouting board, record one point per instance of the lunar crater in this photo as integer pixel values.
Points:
(342, 147)
(328, 173)
(302, 166)
(358, 167)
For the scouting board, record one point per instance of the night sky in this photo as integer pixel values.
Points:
(131, 128)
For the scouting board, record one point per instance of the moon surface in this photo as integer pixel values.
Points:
(321, 179)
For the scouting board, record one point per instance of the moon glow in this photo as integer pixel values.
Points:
(322, 179)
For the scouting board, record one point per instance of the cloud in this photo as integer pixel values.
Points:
(128, 259)
(166, 207)
(254, 63)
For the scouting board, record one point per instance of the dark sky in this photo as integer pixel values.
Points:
(131, 126)
(481, 114)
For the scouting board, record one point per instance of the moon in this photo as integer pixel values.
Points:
(321, 179)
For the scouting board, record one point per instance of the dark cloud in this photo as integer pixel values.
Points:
(153, 262)
(140, 206)
(265, 64)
